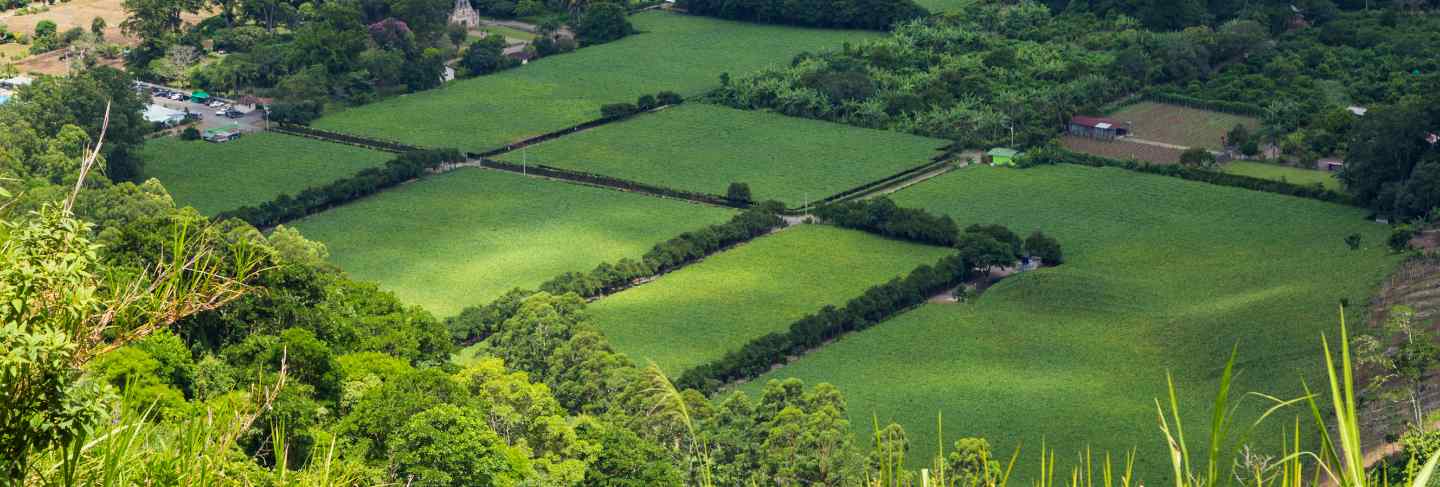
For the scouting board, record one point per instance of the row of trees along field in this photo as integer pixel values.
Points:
(257, 363)
(843, 14)
(312, 54)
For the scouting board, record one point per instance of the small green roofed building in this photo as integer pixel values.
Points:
(199, 97)
(1001, 156)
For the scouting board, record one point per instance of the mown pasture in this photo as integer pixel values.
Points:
(700, 312)
(1175, 124)
(1162, 275)
(250, 170)
(464, 237)
(1283, 173)
(684, 54)
(704, 148)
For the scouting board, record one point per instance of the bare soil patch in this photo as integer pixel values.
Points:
(1121, 149)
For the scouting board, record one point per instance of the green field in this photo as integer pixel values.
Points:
(249, 171)
(698, 313)
(1174, 124)
(1283, 173)
(704, 148)
(680, 53)
(1162, 274)
(465, 237)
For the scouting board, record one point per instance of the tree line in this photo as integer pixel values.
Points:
(839, 14)
(368, 181)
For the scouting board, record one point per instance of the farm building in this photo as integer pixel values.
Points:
(1001, 156)
(1330, 164)
(1097, 127)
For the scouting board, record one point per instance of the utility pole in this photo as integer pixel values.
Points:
(525, 160)
(1012, 135)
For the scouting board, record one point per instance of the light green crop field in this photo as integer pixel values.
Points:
(251, 170)
(680, 53)
(464, 237)
(1162, 274)
(1175, 124)
(1283, 173)
(702, 311)
(704, 148)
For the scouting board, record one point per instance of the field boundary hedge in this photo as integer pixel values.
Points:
(614, 182)
(284, 208)
(874, 306)
(344, 138)
(548, 136)
(861, 190)
(609, 278)
(1058, 155)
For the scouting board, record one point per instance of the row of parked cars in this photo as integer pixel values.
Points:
(222, 109)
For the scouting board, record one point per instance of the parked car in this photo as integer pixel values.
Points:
(233, 113)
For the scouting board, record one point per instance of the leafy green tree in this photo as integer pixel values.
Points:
(971, 463)
(1405, 355)
(485, 56)
(603, 22)
(738, 192)
(447, 446)
(624, 459)
(1001, 234)
(983, 252)
(157, 20)
(1045, 248)
(1197, 157)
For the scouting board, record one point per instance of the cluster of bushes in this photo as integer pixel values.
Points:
(882, 216)
(844, 14)
(475, 323)
(368, 181)
(874, 306)
(1056, 155)
(643, 103)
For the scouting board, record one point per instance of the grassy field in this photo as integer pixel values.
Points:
(680, 53)
(249, 171)
(704, 148)
(1283, 173)
(464, 237)
(700, 312)
(1174, 124)
(1162, 274)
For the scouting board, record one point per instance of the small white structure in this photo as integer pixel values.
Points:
(161, 115)
(16, 82)
(1359, 111)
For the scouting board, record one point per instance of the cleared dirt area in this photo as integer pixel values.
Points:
(1175, 124)
(1121, 149)
(74, 13)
